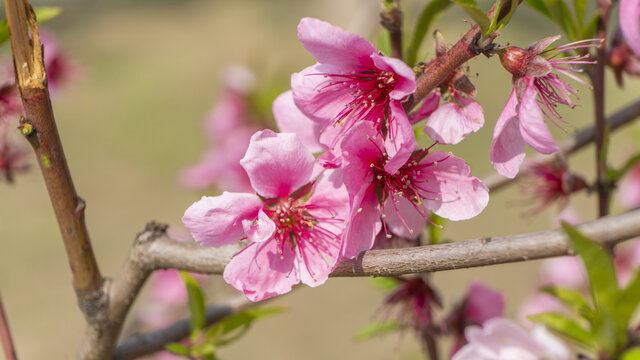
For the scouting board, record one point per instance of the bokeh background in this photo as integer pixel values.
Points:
(150, 71)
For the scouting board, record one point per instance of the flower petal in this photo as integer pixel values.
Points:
(451, 123)
(532, 126)
(364, 223)
(401, 140)
(630, 23)
(429, 105)
(277, 164)
(261, 272)
(507, 149)
(331, 44)
(450, 189)
(403, 219)
(260, 228)
(290, 119)
(217, 221)
(404, 76)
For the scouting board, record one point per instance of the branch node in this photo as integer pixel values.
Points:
(152, 231)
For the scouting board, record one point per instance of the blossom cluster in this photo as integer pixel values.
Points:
(368, 176)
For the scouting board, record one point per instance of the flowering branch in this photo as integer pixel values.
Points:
(142, 344)
(5, 335)
(570, 144)
(39, 127)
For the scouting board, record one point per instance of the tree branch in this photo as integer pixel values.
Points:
(142, 344)
(391, 19)
(31, 79)
(569, 145)
(5, 335)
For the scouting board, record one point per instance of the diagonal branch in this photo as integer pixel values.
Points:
(5, 335)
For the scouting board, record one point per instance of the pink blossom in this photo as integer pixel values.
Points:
(565, 271)
(536, 91)
(630, 23)
(60, 69)
(294, 223)
(537, 304)
(351, 83)
(482, 303)
(413, 301)
(629, 188)
(428, 181)
(501, 339)
(454, 120)
(290, 119)
(12, 155)
(548, 183)
(627, 261)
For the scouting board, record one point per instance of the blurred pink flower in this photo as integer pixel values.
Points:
(629, 188)
(630, 23)
(501, 339)
(61, 70)
(537, 304)
(537, 89)
(413, 301)
(295, 223)
(13, 155)
(565, 271)
(548, 183)
(482, 303)
(351, 83)
(627, 261)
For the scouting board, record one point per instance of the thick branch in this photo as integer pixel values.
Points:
(169, 253)
(571, 144)
(142, 344)
(68, 207)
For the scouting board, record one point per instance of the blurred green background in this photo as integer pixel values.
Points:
(150, 72)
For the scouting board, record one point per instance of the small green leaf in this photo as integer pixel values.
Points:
(428, 16)
(565, 327)
(436, 229)
(561, 15)
(600, 270)
(196, 302)
(177, 348)
(205, 349)
(574, 300)
(628, 300)
(247, 317)
(632, 354)
(44, 13)
(580, 6)
(505, 20)
(213, 333)
(478, 15)
(540, 7)
(376, 329)
(385, 283)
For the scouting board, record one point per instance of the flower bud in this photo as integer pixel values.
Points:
(515, 60)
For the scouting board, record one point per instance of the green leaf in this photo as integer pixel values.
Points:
(615, 175)
(428, 16)
(376, 329)
(196, 302)
(574, 300)
(600, 270)
(632, 354)
(580, 6)
(436, 229)
(564, 326)
(177, 348)
(507, 17)
(213, 333)
(478, 15)
(43, 13)
(540, 7)
(628, 301)
(589, 31)
(561, 15)
(385, 283)
(205, 349)
(243, 321)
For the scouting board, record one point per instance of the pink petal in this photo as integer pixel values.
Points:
(261, 272)
(330, 44)
(228, 115)
(277, 164)
(290, 119)
(541, 45)
(217, 221)
(483, 303)
(401, 140)
(451, 123)
(260, 228)
(499, 333)
(429, 105)
(364, 223)
(451, 191)
(316, 101)
(507, 149)
(405, 219)
(630, 23)
(404, 75)
(629, 188)
(359, 150)
(314, 266)
(532, 126)
(566, 271)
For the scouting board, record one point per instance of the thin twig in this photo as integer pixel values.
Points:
(31, 79)
(391, 18)
(5, 335)
(142, 344)
(570, 145)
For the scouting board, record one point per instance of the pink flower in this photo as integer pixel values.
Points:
(549, 183)
(537, 304)
(454, 120)
(565, 271)
(290, 119)
(482, 303)
(629, 188)
(630, 23)
(12, 155)
(627, 261)
(351, 83)
(501, 339)
(536, 91)
(294, 223)
(60, 69)
(428, 181)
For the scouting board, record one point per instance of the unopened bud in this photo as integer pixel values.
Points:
(515, 60)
